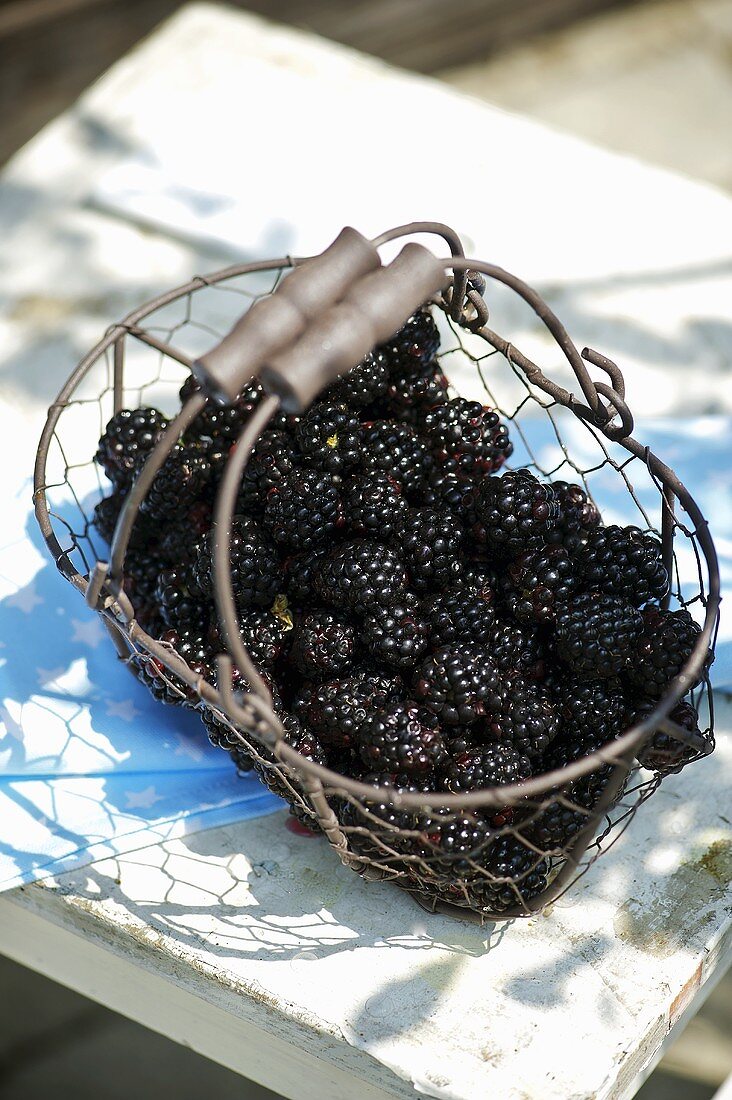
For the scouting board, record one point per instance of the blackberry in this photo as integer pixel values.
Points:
(224, 423)
(299, 574)
(469, 434)
(577, 516)
(195, 649)
(373, 505)
(555, 827)
(663, 648)
(221, 736)
(430, 541)
(323, 644)
(377, 834)
(181, 541)
(624, 562)
(454, 683)
(662, 753)
(594, 708)
(106, 514)
(303, 510)
(329, 437)
(338, 710)
(537, 582)
(459, 615)
(360, 574)
(517, 649)
(142, 569)
(478, 578)
(271, 771)
(413, 347)
(404, 739)
(453, 844)
(271, 462)
(517, 873)
(486, 766)
(177, 485)
(595, 635)
(363, 384)
(128, 439)
(266, 634)
(523, 716)
(448, 488)
(409, 399)
(397, 450)
(180, 607)
(397, 634)
(517, 512)
(572, 745)
(255, 569)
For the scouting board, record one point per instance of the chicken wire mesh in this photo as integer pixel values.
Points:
(491, 853)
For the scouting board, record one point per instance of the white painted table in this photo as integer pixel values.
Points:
(252, 944)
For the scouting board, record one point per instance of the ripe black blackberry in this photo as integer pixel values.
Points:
(460, 615)
(106, 513)
(409, 399)
(360, 574)
(453, 682)
(572, 745)
(181, 606)
(594, 708)
(554, 827)
(323, 644)
(177, 486)
(274, 457)
(224, 423)
(378, 834)
(303, 510)
(180, 541)
(478, 577)
(517, 512)
(430, 541)
(577, 515)
(663, 648)
(127, 440)
(537, 582)
(328, 436)
(363, 384)
(397, 450)
(404, 739)
(266, 634)
(518, 649)
(517, 875)
(449, 488)
(595, 635)
(485, 766)
(338, 710)
(468, 434)
(622, 561)
(372, 505)
(195, 649)
(270, 771)
(142, 569)
(255, 567)
(299, 575)
(452, 844)
(414, 346)
(521, 715)
(396, 635)
(662, 753)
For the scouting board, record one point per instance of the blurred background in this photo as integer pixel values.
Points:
(651, 78)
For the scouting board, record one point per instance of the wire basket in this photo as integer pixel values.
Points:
(493, 853)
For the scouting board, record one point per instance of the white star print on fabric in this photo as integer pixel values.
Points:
(122, 708)
(89, 632)
(142, 800)
(25, 599)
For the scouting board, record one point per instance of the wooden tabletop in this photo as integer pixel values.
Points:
(250, 943)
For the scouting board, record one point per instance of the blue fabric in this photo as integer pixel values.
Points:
(91, 765)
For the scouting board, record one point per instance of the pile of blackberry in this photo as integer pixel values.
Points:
(425, 620)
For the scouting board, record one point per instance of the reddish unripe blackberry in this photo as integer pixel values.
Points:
(337, 710)
(395, 449)
(594, 708)
(363, 384)
(360, 574)
(517, 512)
(578, 514)
(521, 715)
(555, 827)
(404, 739)
(396, 635)
(181, 607)
(454, 683)
(537, 582)
(303, 510)
(596, 634)
(266, 635)
(414, 346)
(662, 753)
(518, 649)
(468, 434)
(663, 648)
(429, 541)
(485, 766)
(255, 568)
(274, 457)
(328, 436)
(459, 615)
(372, 505)
(177, 486)
(128, 439)
(622, 561)
(323, 644)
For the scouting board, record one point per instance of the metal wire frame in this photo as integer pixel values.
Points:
(250, 716)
